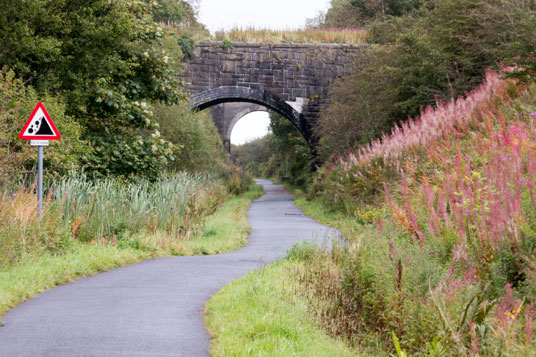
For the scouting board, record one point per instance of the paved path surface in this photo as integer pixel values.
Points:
(152, 308)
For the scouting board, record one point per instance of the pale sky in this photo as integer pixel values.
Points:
(273, 14)
(251, 126)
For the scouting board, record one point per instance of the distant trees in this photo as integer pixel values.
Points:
(359, 13)
(283, 153)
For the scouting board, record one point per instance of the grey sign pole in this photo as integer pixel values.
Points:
(39, 129)
(40, 148)
(40, 178)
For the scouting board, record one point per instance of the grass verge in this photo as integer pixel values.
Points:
(37, 275)
(271, 318)
(325, 215)
(227, 229)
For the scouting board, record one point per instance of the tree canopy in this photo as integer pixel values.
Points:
(105, 59)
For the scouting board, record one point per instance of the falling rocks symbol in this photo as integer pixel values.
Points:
(40, 127)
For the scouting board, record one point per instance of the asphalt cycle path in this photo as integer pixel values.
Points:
(153, 308)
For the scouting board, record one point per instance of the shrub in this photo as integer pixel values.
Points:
(448, 264)
(197, 144)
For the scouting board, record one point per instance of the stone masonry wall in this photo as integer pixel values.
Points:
(299, 74)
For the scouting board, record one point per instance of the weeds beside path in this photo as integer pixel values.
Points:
(226, 230)
(440, 232)
(271, 319)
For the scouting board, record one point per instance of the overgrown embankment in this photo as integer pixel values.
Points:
(89, 226)
(441, 246)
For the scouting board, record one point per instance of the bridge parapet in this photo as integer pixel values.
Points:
(299, 75)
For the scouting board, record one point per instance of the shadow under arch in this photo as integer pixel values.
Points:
(214, 96)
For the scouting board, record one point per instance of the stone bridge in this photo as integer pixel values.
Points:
(291, 79)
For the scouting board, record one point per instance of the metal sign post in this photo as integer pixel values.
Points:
(39, 129)
(40, 148)
(40, 179)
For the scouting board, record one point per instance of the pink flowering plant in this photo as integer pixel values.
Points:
(451, 264)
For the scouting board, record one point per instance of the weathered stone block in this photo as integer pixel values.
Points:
(271, 74)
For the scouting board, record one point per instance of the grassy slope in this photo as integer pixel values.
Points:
(227, 229)
(325, 215)
(501, 133)
(261, 315)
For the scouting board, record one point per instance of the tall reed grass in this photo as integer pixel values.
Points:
(108, 207)
(106, 211)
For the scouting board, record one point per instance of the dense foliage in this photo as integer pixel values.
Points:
(197, 145)
(441, 247)
(108, 62)
(429, 50)
(17, 157)
(357, 13)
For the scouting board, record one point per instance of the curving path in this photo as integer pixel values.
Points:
(152, 308)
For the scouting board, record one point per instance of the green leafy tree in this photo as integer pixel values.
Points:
(104, 58)
(197, 144)
(174, 11)
(359, 13)
(342, 14)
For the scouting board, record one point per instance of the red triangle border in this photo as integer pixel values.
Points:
(57, 135)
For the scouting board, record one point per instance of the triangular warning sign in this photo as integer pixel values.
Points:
(39, 126)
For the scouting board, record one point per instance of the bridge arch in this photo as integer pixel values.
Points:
(226, 94)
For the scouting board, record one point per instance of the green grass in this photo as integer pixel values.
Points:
(262, 315)
(325, 215)
(321, 212)
(39, 274)
(227, 229)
